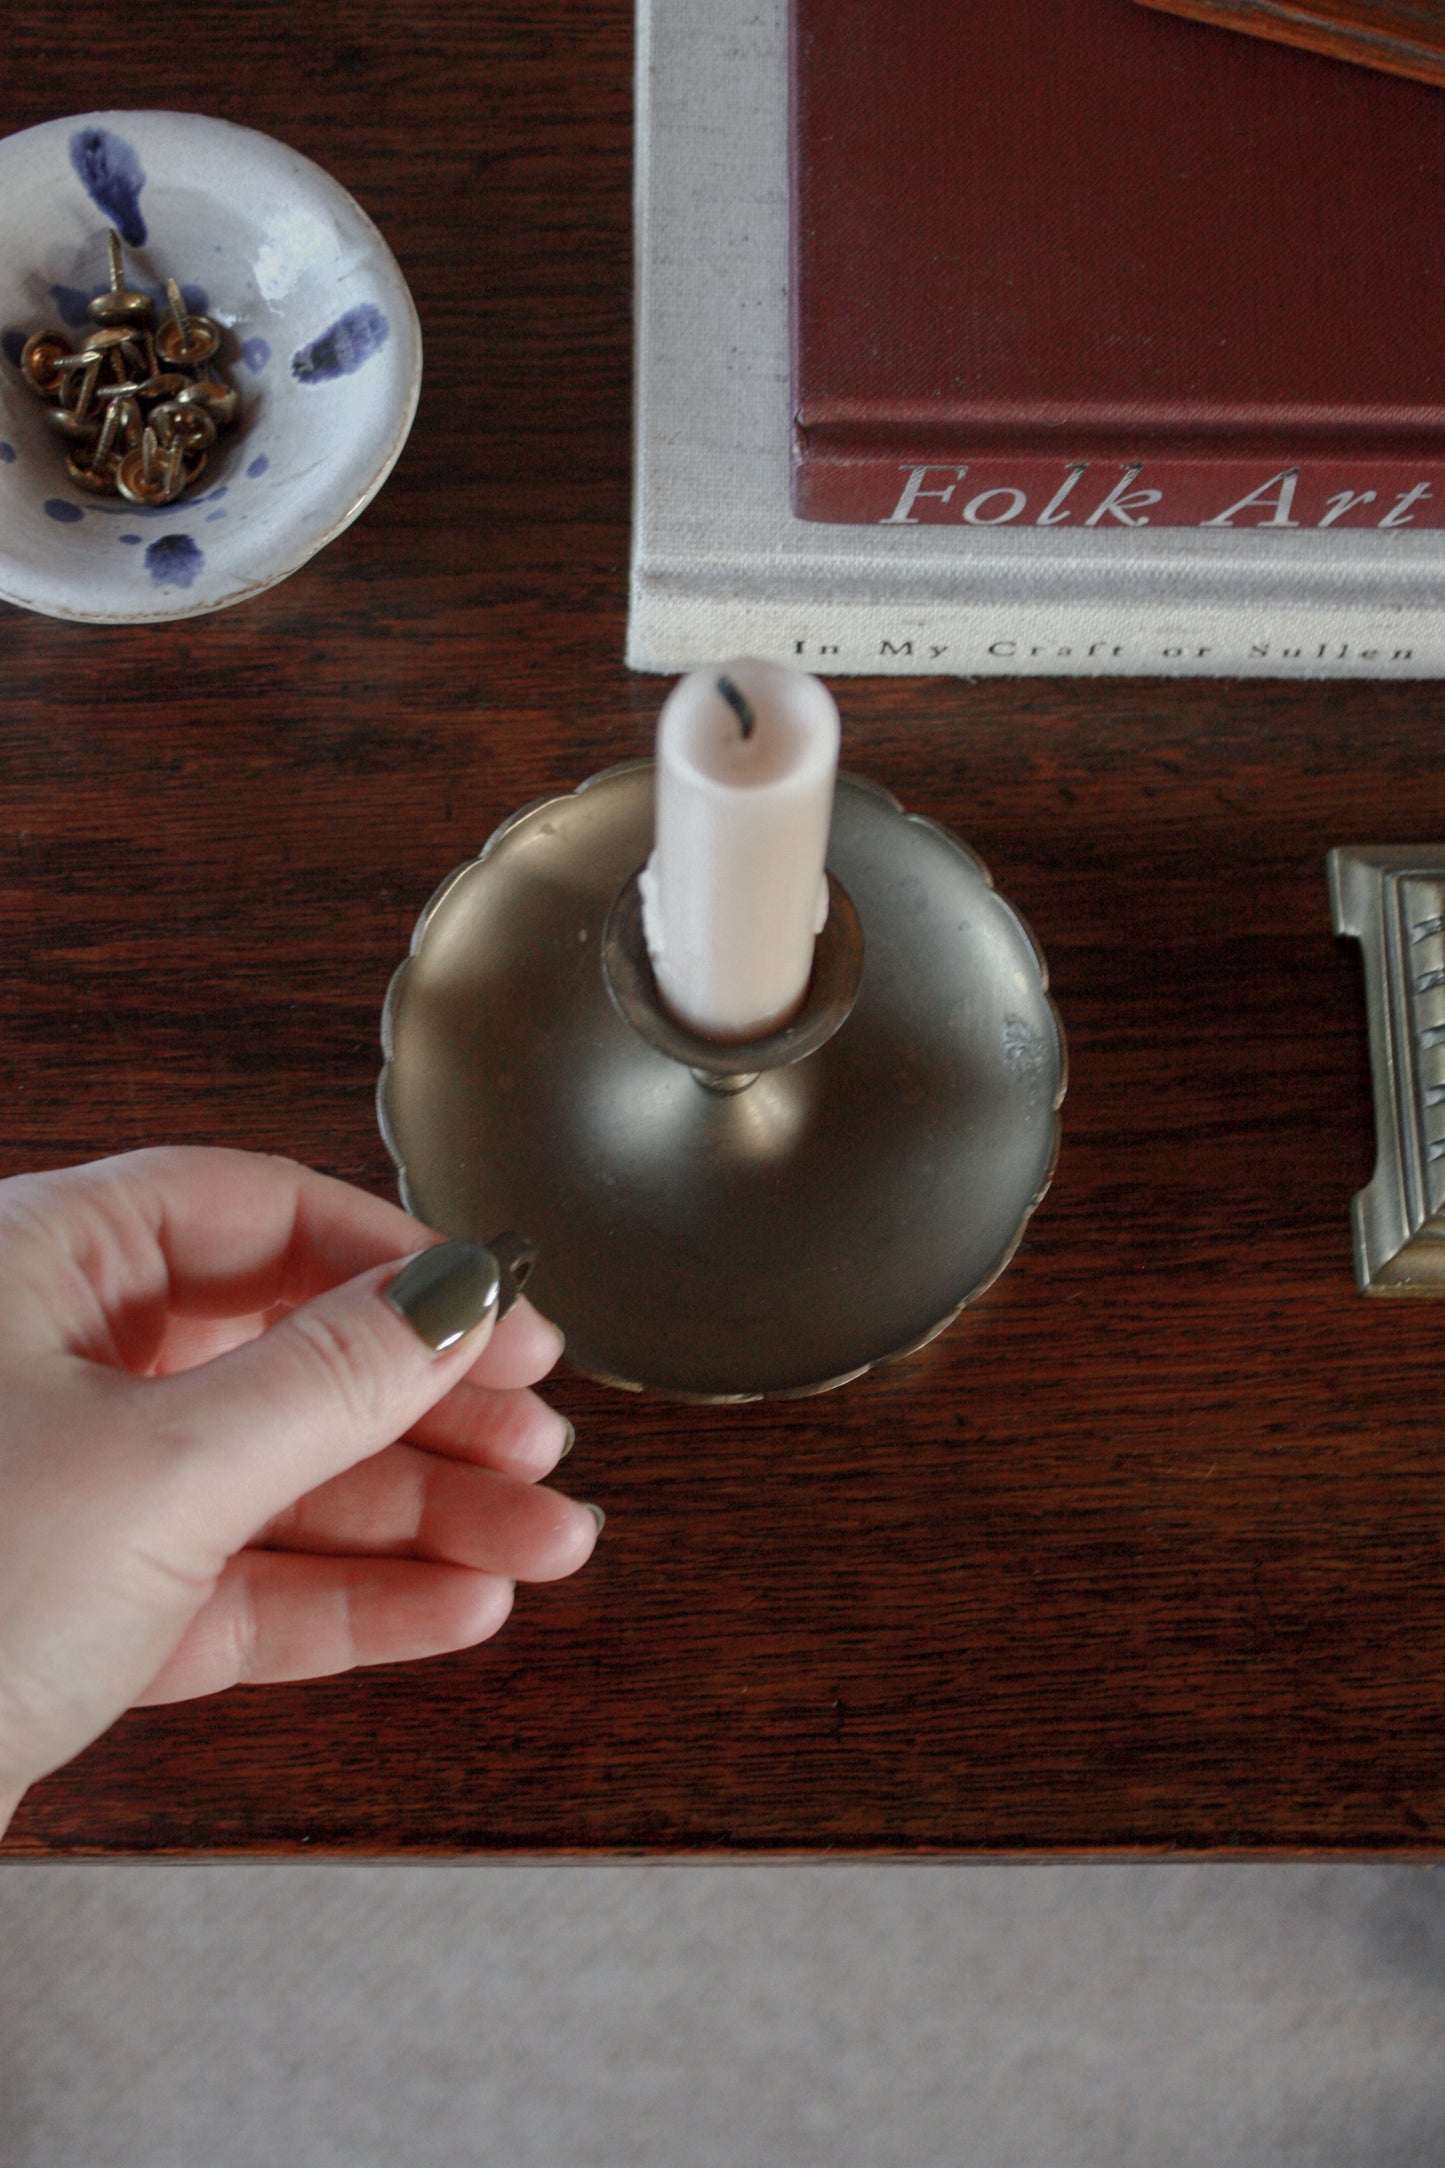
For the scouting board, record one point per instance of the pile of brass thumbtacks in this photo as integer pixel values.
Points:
(140, 404)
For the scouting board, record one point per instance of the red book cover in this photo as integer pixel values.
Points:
(1078, 263)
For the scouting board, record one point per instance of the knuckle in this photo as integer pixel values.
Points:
(341, 1356)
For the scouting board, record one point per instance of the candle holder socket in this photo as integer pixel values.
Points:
(731, 1065)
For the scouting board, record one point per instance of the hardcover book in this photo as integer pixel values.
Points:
(1084, 264)
(720, 566)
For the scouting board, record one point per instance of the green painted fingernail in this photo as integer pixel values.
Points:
(446, 1291)
(597, 1513)
(568, 1441)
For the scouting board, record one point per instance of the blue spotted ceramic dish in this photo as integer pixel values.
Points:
(321, 341)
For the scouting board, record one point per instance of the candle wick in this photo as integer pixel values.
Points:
(739, 705)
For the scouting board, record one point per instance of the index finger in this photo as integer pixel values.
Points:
(203, 1231)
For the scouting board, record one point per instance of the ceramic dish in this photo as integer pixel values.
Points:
(320, 339)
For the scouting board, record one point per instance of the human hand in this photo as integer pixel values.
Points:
(227, 1457)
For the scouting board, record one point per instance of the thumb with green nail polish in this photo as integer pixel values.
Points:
(448, 1291)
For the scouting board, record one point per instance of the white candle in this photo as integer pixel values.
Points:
(734, 894)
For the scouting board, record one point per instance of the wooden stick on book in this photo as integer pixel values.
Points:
(1404, 37)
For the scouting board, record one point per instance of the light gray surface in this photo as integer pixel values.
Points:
(1091, 2016)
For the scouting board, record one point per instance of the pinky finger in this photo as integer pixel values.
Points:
(279, 1615)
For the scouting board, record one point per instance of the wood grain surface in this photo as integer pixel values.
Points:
(1146, 1552)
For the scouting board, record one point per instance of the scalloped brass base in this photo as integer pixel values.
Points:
(776, 1240)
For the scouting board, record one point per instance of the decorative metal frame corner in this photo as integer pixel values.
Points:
(1392, 901)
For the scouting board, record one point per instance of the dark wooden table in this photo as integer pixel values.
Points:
(1146, 1552)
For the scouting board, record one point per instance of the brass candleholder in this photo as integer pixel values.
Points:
(723, 1222)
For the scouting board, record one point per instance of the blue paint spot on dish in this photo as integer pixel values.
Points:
(174, 560)
(73, 304)
(255, 353)
(111, 175)
(61, 508)
(214, 496)
(12, 346)
(128, 538)
(212, 517)
(343, 346)
(7, 454)
(257, 468)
